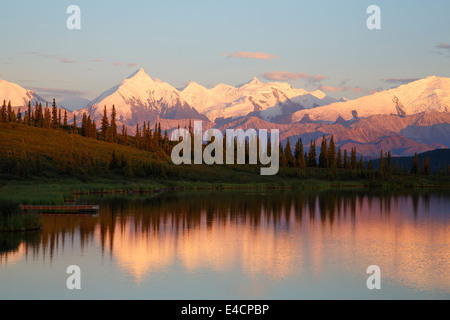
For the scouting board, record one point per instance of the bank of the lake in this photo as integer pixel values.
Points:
(13, 219)
(58, 191)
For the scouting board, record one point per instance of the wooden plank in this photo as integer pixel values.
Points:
(65, 208)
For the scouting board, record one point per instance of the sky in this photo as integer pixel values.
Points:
(321, 44)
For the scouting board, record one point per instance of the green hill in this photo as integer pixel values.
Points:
(28, 152)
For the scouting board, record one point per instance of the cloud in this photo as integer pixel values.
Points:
(42, 54)
(131, 65)
(340, 89)
(399, 81)
(251, 55)
(287, 76)
(117, 64)
(57, 93)
(443, 45)
(97, 60)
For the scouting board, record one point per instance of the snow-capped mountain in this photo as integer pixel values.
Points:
(139, 98)
(432, 93)
(18, 96)
(269, 101)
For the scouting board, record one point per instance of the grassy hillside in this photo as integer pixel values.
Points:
(29, 153)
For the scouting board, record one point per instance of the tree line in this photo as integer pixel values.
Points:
(153, 139)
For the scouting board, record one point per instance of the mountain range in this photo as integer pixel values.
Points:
(410, 118)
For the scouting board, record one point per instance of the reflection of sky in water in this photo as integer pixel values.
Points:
(236, 245)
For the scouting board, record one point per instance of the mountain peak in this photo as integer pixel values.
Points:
(139, 74)
(253, 82)
(18, 95)
(194, 86)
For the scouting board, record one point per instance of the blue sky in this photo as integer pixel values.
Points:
(311, 44)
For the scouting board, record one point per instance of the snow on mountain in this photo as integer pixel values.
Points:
(139, 98)
(269, 101)
(18, 96)
(432, 93)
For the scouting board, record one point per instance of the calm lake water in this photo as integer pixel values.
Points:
(238, 245)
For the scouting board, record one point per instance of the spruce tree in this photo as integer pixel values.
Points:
(389, 163)
(426, 167)
(124, 135)
(105, 125)
(54, 121)
(312, 162)
(74, 126)
(301, 162)
(323, 156)
(332, 153)
(353, 159)
(29, 113)
(10, 112)
(3, 114)
(113, 128)
(339, 158)
(288, 153)
(415, 164)
(361, 164)
(346, 163)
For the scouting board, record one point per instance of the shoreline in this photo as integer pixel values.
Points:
(59, 191)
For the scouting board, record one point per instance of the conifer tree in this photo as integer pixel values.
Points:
(124, 135)
(47, 118)
(288, 153)
(415, 164)
(3, 113)
(74, 123)
(312, 162)
(389, 162)
(426, 166)
(299, 154)
(54, 121)
(113, 128)
(346, 164)
(339, 158)
(105, 125)
(353, 159)
(10, 112)
(29, 113)
(283, 161)
(65, 118)
(323, 156)
(332, 153)
(361, 164)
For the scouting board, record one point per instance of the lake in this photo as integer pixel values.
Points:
(287, 245)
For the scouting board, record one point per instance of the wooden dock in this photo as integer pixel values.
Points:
(63, 209)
